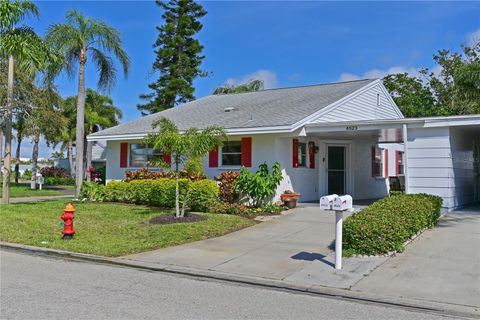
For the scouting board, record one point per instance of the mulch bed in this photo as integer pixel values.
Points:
(170, 218)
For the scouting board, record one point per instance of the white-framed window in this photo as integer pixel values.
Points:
(141, 154)
(400, 163)
(377, 162)
(302, 154)
(231, 153)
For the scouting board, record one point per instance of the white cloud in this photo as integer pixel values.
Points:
(473, 37)
(378, 73)
(268, 77)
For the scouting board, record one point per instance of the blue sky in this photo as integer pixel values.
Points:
(283, 43)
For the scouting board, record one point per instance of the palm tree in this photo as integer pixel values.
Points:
(23, 48)
(192, 144)
(45, 119)
(100, 113)
(67, 135)
(19, 126)
(77, 39)
(250, 86)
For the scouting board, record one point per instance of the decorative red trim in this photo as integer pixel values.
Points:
(213, 158)
(295, 153)
(167, 158)
(246, 148)
(386, 163)
(311, 153)
(123, 155)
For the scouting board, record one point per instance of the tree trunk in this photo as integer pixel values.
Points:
(1, 143)
(89, 157)
(80, 124)
(17, 157)
(177, 192)
(70, 158)
(8, 134)
(36, 139)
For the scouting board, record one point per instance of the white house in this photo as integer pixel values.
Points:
(346, 137)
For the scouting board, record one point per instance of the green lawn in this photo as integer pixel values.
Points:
(106, 229)
(23, 190)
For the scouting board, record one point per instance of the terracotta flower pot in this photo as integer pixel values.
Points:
(290, 199)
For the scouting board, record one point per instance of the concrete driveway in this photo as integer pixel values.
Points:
(442, 265)
(294, 248)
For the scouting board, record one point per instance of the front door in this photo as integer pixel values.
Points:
(336, 169)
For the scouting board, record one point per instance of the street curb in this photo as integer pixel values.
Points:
(328, 292)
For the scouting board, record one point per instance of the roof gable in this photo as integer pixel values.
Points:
(369, 103)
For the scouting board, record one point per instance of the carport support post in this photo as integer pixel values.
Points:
(338, 239)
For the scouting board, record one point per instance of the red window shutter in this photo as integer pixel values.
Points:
(373, 161)
(295, 153)
(213, 158)
(167, 158)
(123, 155)
(311, 152)
(386, 163)
(246, 146)
(396, 163)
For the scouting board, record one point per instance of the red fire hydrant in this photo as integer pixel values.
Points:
(67, 218)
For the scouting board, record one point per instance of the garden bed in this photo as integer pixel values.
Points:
(107, 229)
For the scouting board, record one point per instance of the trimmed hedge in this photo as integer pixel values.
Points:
(201, 193)
(58, 181)
(388, 223)
(161, 192)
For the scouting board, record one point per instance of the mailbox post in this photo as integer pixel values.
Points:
(339, 204)
(40, 180)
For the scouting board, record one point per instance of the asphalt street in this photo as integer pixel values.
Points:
(35, 287)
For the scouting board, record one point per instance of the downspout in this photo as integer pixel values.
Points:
(405, 156)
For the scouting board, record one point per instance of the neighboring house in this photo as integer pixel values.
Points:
(99, 156)
(346, 137)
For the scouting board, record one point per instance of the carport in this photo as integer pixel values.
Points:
(439, 155)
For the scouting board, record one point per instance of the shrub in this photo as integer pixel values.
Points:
(92, 191)
(226, 181)
(201, 193)
(258, 187)
(388, 223)
(54, 172)
(27, 174)
(228, 208)
(157, 192)
(145, 174)
(59, 181)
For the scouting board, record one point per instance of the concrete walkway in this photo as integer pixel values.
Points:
(67, 193)
(442, 265)
(295, 248)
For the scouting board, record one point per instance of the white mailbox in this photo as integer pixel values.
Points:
(343, 203)
(326, 202)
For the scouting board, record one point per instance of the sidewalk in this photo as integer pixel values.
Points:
(68, 193)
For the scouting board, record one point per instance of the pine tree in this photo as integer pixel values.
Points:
(178, 56)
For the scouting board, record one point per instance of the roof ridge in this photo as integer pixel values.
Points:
(294, 87)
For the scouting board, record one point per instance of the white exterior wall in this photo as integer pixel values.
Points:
(310, 183)
(430, 168)
(363, 106)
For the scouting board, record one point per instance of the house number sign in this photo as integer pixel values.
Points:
(351, 128)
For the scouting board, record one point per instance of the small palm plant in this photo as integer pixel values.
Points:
(191, 144)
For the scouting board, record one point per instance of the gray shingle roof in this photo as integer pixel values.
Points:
(266, 108)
